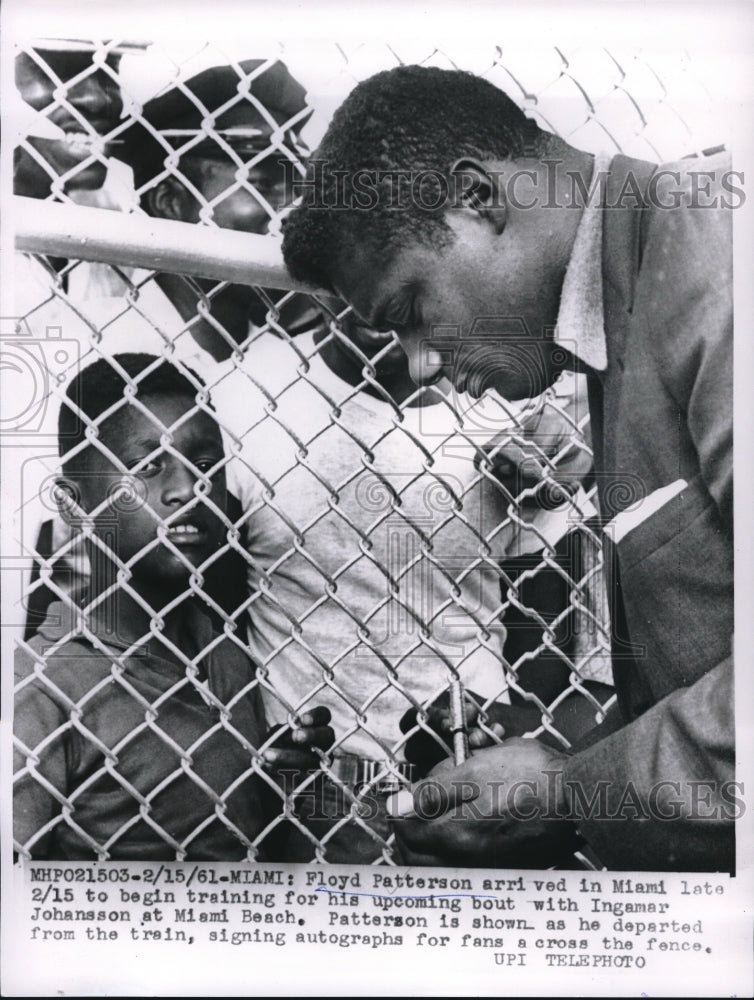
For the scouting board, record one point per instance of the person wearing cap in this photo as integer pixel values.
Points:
(223, 149)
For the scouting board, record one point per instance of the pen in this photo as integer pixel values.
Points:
(458, 722)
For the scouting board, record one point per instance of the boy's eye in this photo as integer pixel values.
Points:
(144, 467)
(209, 465)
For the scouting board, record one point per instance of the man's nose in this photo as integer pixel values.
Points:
(425, 363)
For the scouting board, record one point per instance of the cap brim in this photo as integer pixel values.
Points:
(86, 45)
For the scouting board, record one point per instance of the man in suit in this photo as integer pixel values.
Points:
(501, 255)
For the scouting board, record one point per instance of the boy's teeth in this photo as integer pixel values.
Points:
(184, 529)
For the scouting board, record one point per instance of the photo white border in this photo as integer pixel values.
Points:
(726, 29)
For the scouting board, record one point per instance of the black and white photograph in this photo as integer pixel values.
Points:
(370, 583)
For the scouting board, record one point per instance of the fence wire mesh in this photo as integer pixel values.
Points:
(377, 542)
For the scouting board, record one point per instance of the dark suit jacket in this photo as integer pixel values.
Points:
(662, 413)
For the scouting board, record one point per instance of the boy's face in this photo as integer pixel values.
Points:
(96, 98)
(159, 488)
(478, 311)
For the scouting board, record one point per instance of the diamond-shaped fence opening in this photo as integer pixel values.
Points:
(261, 519)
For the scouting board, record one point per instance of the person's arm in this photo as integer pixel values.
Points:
(39, 596)
(677, 763)
(691, 332)
(658, 794)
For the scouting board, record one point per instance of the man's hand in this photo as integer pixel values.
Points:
(433, 740)
(432, 743)
(502, 808)
(294, 748)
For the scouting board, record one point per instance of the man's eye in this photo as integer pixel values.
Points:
(268, 186)
(353, 320)
(414, 315)
(407, 318)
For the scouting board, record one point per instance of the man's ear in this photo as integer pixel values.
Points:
(68, 499)
(170, 200)
(478, 190)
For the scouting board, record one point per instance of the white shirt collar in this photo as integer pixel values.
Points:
(581, 325)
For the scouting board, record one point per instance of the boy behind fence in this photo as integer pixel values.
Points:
(137, 724)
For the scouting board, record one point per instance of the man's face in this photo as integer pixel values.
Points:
(478, 310)
(239, 204)
(369, 341)
(158, 488)
(97, 100)
(228, 198)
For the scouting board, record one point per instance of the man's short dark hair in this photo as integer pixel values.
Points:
(411, 119)
(99, 386)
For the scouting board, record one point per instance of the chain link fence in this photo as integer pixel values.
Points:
(379, 543)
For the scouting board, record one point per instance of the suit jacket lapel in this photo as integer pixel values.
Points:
(623, 218)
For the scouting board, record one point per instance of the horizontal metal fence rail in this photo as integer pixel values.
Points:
(80, 233)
